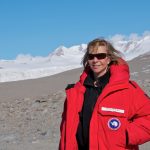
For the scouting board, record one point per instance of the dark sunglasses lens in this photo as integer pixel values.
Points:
(98, 56)
(90, 56)
(101, 56)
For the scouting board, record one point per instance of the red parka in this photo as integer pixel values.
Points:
(120, 119)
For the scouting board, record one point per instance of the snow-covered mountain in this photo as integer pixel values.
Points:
(63, 58)
(133, 47)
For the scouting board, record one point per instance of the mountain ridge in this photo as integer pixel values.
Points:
(63, 59)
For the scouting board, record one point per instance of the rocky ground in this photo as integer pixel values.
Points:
(33, 122)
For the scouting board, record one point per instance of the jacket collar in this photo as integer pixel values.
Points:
(101, 81)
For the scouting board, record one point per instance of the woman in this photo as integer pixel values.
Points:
(104, 110)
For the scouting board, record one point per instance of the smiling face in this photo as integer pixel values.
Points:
(98, 64)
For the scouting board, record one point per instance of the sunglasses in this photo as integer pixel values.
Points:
(98, 56)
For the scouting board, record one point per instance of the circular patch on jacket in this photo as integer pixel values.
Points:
(114, 123)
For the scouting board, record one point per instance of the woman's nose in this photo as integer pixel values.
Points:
(95, 59)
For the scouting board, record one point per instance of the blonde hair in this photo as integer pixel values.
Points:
(93, 46)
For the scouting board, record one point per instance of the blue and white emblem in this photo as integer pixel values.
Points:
(114, 123)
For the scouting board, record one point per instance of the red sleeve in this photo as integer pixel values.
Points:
(139, 129)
